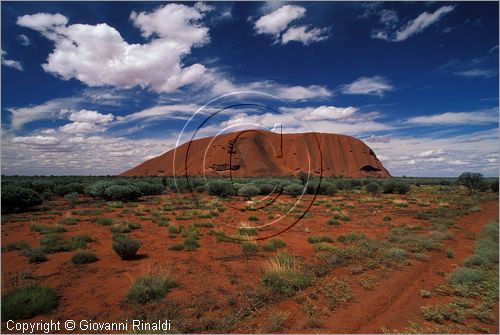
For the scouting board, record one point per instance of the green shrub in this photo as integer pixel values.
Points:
(69, 221)
(21, 245)
(387, 218)
(148, 189)
(450, 253)
(28, 301)
(191, 243)
(104, 221)
(351, 237)
(150, 288)
(54, 243)
(173, 229)
(318, 239)
(200, 189)
(126, 247)
(333, 222)
(266, 189)
(121, 228)
(465, 276)
(372, 188)
(273, 244)
(248, 231)
(331, 189)
(83, 257)
(253, 218)
(473, 181)
(79, 241)
(340, 216)
(249, 248)
(19, 198)
(36, 255)
(43, 229)
(293, 190)
(122, 193)
(176, 247)
(395, 254)
(221, 188)
(248, 191)
(284, 276)
(440, 313)
(494, 186)
(396, 187)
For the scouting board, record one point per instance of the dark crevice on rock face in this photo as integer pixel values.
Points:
(369, 168)
(224, 167)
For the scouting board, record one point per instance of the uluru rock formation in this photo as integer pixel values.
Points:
(262, 153)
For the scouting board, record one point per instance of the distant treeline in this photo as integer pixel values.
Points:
(22, 192)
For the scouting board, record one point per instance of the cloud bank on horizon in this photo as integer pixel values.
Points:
(96, 88)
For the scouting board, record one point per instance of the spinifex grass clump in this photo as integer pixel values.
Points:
(318, 239)
(28, 301)
(273, 244)
(249, 248)
(284, 275)
(125, 247)
(83, 257)
(149, 288)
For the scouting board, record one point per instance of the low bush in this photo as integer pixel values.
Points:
(284, 275)
(83, 257)
(126, 247)
(293, 190)
(395, 254)
(372, 188)
(248, 191)
(273, 244)
(122, 193)
(248, 231)
(103, 221)
(176, 247)
(191, 243)
(266, 189)
(36, 255)
(465, 276)
(318, 239)
(21, 245)
(43, 229)
(150, 288)
(249, 248)
(221, 188)
(333, 222)
(28, 301)
(19, 198)
(52, 243)
(79, 241)
(396, 187)
(69, 221)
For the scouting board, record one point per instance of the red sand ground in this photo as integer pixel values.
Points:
(215, 280)
(262, 153)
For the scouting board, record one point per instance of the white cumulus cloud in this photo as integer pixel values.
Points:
(305, 35)
(376, 85)
(278, 20)
(412, 27)
(98, 55)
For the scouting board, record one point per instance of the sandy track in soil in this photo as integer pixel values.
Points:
(396, 300)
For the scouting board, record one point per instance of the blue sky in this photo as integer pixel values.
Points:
(98, 87)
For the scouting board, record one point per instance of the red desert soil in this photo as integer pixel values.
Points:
(396, 300)
(261, 153)
(96, 291)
